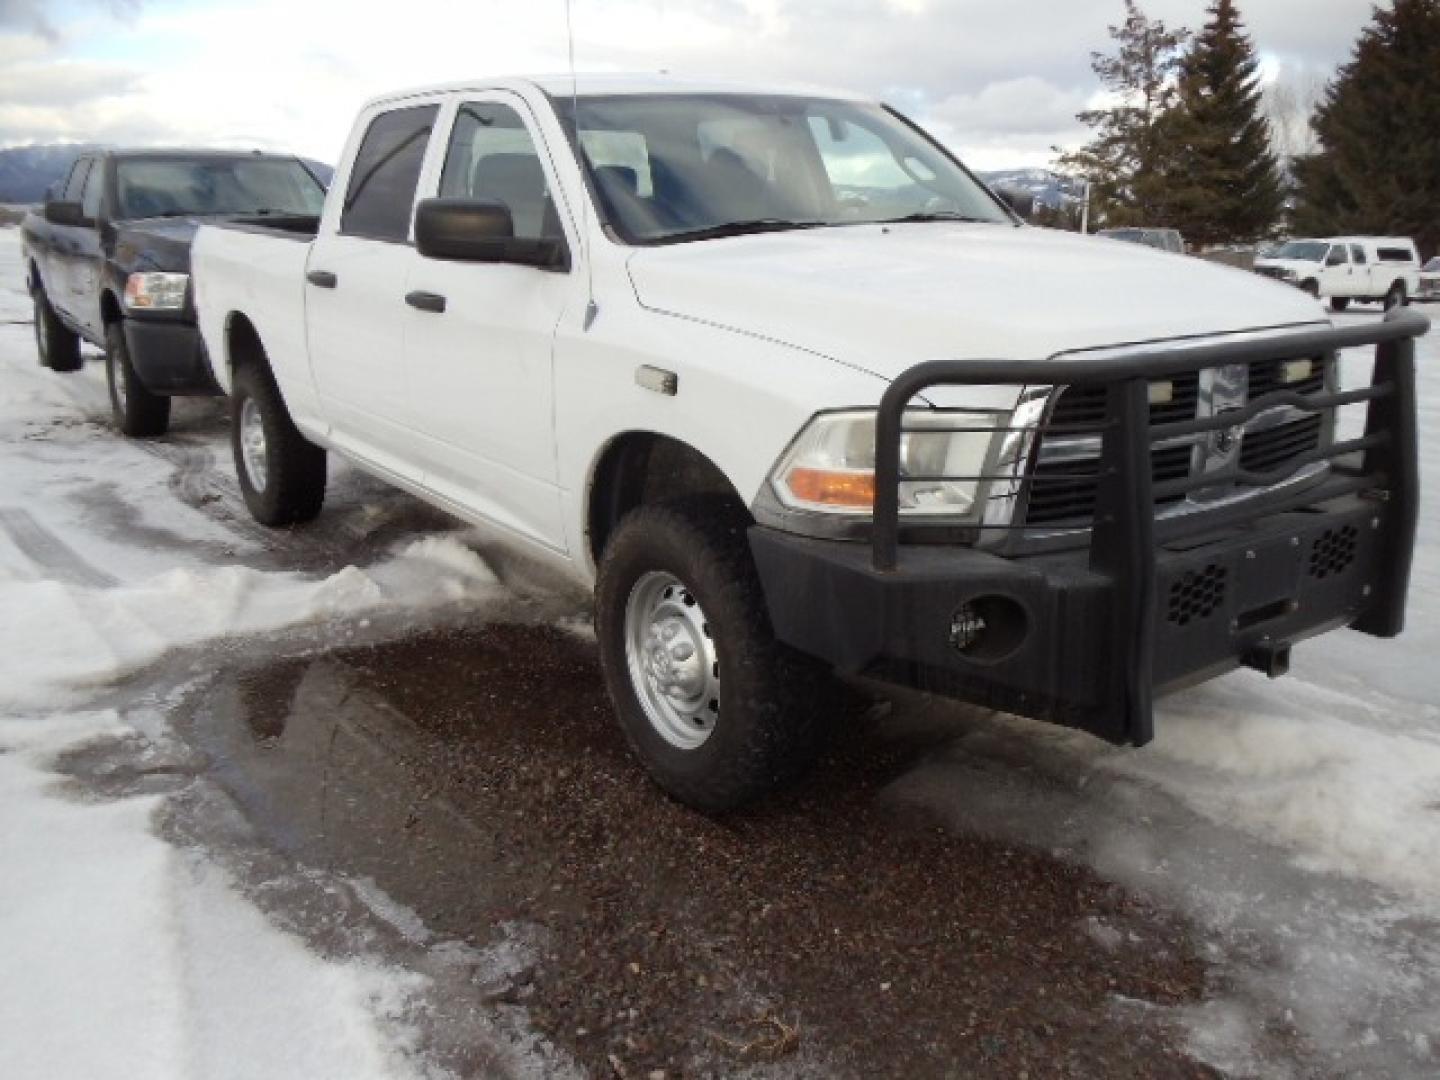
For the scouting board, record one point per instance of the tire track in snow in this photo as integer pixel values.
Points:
(49, 552)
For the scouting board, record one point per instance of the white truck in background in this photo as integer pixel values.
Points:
(795, 393)
(1342, 269)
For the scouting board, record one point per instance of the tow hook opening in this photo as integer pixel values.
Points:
(1272, 661)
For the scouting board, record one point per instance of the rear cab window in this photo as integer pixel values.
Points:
(380, 196)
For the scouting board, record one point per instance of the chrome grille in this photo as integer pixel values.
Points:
(1063, 480)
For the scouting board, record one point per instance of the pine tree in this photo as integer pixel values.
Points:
(1378, 167)
(1223, 182)
(1125, 161)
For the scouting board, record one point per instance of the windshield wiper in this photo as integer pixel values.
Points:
(742, 228)
(936, 215)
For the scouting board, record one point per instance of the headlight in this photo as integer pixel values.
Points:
(1289, 274)
(156, 292)
(830, 467)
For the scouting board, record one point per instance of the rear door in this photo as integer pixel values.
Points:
(89, 266)
(355, 287)
(1361, 272)
(1335, 272)
(62, 275)
(481, 370)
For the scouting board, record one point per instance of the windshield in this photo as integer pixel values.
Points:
(1303, 251)
(672, 167)
(241, 185)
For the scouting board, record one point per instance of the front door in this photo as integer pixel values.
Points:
(481, 369)
(355, 291)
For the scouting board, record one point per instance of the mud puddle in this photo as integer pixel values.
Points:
(476, 777)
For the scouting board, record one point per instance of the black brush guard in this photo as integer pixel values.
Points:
(1107, 622)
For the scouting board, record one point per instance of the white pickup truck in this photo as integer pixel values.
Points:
(796, 393)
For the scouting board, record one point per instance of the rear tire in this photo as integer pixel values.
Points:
(680, 615)
(138, 413)
(58, 346)
(1339, 303)
(1396, 297)
(281, 473)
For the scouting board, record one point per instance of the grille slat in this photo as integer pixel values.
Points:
(1062, 492)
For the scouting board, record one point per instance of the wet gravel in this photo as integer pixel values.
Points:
(478, 777)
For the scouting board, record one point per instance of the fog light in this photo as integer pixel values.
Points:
(967, 627)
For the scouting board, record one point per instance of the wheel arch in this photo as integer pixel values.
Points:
(637, 468)
(242, 345)
(110, 309)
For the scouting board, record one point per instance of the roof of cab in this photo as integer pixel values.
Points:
(588, 84)
(167, 152)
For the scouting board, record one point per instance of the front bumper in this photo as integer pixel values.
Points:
(169, 356)
(1242, 597)
(1085, 632)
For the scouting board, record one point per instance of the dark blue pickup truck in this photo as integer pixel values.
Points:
(108, 260)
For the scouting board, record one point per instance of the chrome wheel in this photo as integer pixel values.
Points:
(674, 667)
(253, 455)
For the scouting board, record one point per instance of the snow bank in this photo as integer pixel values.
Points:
(1309, 768)
(59, 640)
(127, 956)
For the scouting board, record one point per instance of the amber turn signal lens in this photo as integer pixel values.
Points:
(854, 489)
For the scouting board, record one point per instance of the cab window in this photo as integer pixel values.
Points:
(1357, 253)
(94, 192)
(492, 158)
(75, 186)
(381, 193)
(1338, 256)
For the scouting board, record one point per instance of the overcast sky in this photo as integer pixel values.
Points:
(999, 81)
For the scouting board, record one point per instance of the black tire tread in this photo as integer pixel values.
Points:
(61, 349)
(774, 714)
(145, 414)
(295, 482)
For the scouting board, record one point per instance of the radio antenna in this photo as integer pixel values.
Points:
(591, 310)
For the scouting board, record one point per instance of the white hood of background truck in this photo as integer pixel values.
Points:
(884, 298)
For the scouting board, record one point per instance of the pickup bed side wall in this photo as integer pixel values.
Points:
(262, 277)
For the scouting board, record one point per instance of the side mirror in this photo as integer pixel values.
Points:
(473, 230)
(64, 213)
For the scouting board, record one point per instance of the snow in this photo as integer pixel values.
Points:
(126, 954)
(1296, 821)
(74, 639)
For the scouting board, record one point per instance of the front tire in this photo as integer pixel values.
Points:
(281, 473)
(1396, 297)
(137, 412)
(1339, 303)
(58, 347)
(719, 712)
(1311, 287)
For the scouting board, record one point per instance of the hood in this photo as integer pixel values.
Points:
(882, 298)
(156, 243)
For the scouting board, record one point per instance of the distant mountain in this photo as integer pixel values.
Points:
(1045, 187)
(26, 171)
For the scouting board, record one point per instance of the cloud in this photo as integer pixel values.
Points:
(1000, 82)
